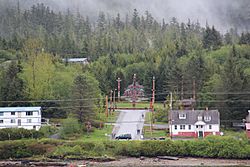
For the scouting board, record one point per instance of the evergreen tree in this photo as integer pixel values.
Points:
(85, 95)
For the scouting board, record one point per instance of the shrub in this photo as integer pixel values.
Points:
(70, 128)
(48, 130)
(18, 133)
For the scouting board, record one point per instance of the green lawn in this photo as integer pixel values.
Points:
(155, 133)
(98, 134)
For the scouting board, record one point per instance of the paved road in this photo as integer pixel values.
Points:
(130, 122)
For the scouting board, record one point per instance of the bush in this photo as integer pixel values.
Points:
(48, 130)
(19, 133)
(70, 128)
(22, 149)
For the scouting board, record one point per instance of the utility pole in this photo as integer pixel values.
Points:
(182, 88)
(107, 105)
(114, 101)
(170, 114)
(110, 101)
(153, 94)
(194, 88)
(119, 89)
(134, 91)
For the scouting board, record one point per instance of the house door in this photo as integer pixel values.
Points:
(19, 122)
(200, 134)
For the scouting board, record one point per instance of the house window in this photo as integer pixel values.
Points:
(199, 118)
(13, 113)
(189, 127)
(175, 127)
(1, 113)
(197, 126)
(182, 116)
(210, 126)
(28, 120)
(29, 113)
(1, 121)
(182, 127)
(201, 126)
(12, 121)
(207, 118)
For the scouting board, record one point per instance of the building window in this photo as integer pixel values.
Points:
(207, 118)
(28, 120)
(182, 127)
(1, 121)
(197, 126)
(210, 126)
(201, 126)
(13, 113)
(1, 113)
(182, 116)
(199, 118)
(175, 127)
(29, 113)
(189, 127)
(12, 121)
(34, 127)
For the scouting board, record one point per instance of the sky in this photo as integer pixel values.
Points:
(214, 12)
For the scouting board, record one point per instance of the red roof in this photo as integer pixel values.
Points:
(248, 126)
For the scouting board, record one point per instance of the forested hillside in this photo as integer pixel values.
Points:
(34, 41)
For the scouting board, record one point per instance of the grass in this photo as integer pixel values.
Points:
(155, 133)
(138, 105)
(111, 117)
(97, 134)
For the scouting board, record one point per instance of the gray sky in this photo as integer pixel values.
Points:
(215, 12)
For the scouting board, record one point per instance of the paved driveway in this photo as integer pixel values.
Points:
(130, 122)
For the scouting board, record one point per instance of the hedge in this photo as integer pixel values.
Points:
(19, 133)
(211, 147)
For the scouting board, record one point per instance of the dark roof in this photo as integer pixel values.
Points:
(192, 116)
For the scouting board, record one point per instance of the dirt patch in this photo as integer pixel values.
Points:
(181, 162)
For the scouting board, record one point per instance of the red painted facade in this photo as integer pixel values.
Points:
(248, 134)
(194, 134)
(248, 130)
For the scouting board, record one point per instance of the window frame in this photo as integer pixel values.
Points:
(189, 127)
(13, 121)
(29, 120)
(1, 114)
(11, 113)
(1, 121)
(210, 127)
(175, 127)
(29, 113)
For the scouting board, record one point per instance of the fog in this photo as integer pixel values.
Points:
(215, 12)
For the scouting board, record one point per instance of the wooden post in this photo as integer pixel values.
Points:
(110, 101)
(114, 101)
(107, 105)
(194, 88)
(119, 89)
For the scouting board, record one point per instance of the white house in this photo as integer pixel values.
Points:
(76, 60)
(194, 123)
(20, 117)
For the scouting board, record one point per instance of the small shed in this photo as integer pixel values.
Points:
(248, 130)
(248, 125)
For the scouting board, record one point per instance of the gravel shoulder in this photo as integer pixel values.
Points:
(150, 162)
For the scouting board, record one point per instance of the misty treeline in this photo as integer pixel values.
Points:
(183, 57)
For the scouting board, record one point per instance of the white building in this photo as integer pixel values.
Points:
(20, 117)
(76, 60)
(194, 123)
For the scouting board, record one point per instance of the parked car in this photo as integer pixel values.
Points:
(124, 136)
